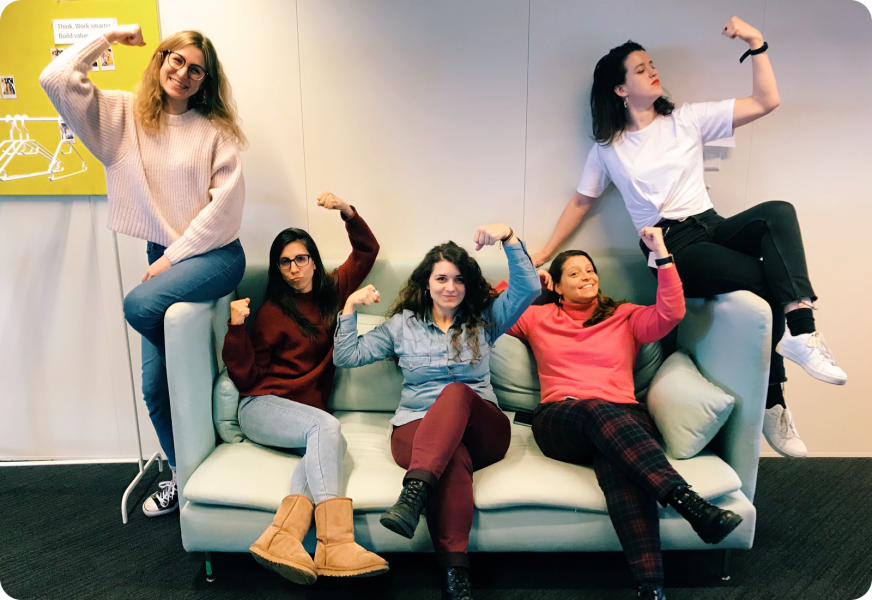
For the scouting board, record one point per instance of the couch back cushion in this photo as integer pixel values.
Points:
(377, 387)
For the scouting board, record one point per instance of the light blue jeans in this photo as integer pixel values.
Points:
(200, 278)
(274, 421)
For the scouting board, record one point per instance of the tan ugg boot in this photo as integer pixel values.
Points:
(280, 547)
(336, 553)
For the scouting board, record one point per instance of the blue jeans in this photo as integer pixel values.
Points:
(196, 279)
(275, 421)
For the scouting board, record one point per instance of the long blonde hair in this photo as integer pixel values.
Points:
(213, 100)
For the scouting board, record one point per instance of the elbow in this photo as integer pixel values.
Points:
(772, 102)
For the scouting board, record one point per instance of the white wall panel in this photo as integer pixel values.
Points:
(814, 152)
(415, 111)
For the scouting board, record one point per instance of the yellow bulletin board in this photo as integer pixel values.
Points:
(26, 41)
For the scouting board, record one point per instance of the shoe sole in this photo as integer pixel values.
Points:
(370, 572)
(160, 512)
(295, 574)
(397, 525)
(726, 529)
(780, 451)
(816, 374)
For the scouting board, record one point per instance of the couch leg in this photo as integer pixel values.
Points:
(210, 575)
(725, 565)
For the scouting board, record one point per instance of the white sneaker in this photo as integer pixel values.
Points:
(163, 501)
(780, 432)
(810, 351)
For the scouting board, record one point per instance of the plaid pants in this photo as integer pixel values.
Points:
(618, 439)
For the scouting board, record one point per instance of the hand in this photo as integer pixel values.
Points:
(545, 279)
(157, 267)
(331, 202)
(653, 238)
(239, 310)
(539, 259)
(362, 297)
(488, 235)
(737, 28)
(126, 35)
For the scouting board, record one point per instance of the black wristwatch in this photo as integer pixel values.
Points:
(664, 261)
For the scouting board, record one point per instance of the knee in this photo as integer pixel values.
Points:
(458, 392)
(779, 210)
(137, 309)
(330, 427)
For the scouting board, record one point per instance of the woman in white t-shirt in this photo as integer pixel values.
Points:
(653, 153)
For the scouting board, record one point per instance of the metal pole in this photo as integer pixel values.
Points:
(156, 456)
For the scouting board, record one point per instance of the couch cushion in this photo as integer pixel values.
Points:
(515, 378)
(251, 476)
(526, 477)
(687, 408)
(225, 409)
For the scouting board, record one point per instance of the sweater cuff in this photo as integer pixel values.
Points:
(235, 330)
(352, 217)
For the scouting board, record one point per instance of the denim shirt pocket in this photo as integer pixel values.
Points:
(414, 362)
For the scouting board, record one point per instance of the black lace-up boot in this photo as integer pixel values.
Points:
(650, 592)
(455, 584)
(711, 524)
(403, 517)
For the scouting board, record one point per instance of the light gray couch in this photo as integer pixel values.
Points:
(526, 502)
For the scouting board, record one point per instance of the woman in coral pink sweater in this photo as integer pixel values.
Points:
(585, 345)
(174, 179)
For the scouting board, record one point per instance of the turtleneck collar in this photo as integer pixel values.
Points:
(579, 312)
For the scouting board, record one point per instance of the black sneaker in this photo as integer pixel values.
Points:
(711, 523)
(650, 592)
(403, 517)
(455, 584)
(163, 501)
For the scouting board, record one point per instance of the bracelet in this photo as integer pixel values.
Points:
(508, 237)
(750, 52)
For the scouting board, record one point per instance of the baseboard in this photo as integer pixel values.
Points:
(41, 461)
(773, 454)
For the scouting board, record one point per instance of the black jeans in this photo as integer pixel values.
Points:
(715, 255)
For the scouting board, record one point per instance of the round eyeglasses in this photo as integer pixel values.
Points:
(177, 61)
(301, 260)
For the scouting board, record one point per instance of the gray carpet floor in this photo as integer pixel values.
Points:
(61, 537)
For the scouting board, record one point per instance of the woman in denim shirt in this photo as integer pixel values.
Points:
(448, 423)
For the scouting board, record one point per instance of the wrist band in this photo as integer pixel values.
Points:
(750, 52)
(664, 261)
(508, 237)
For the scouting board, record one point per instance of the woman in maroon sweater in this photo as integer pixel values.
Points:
(585, 346)
(284, 373)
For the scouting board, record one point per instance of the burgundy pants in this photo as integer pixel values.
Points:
(460, 433)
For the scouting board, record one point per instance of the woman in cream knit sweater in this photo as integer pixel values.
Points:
(174, 179)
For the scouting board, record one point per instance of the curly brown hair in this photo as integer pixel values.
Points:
(605, 306)
(476, 301)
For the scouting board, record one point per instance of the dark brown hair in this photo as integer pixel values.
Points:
(479, 296)
(606, 107)
(605, 306)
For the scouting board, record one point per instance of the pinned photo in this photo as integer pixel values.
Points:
(95, 66)
(55, 52)
(67, 134)
(107, 60)
(7, 83)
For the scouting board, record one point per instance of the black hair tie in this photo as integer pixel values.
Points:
(750, 52)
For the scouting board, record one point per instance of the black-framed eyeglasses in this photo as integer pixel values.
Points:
(177, 61)
(301, 260)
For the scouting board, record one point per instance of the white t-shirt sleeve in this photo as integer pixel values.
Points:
(595, 178)
(715, 119)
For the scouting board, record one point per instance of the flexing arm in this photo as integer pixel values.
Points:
(364, 246)
(99, 118)
(247, 358)
(764, 93)
(571, 217)
(653, 322)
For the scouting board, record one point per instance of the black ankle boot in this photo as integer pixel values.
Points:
(403, 517)
(711, 524)
(650, 592)
(455, 584)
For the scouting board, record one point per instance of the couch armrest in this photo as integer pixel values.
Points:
(192, 353)
(728, 337)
